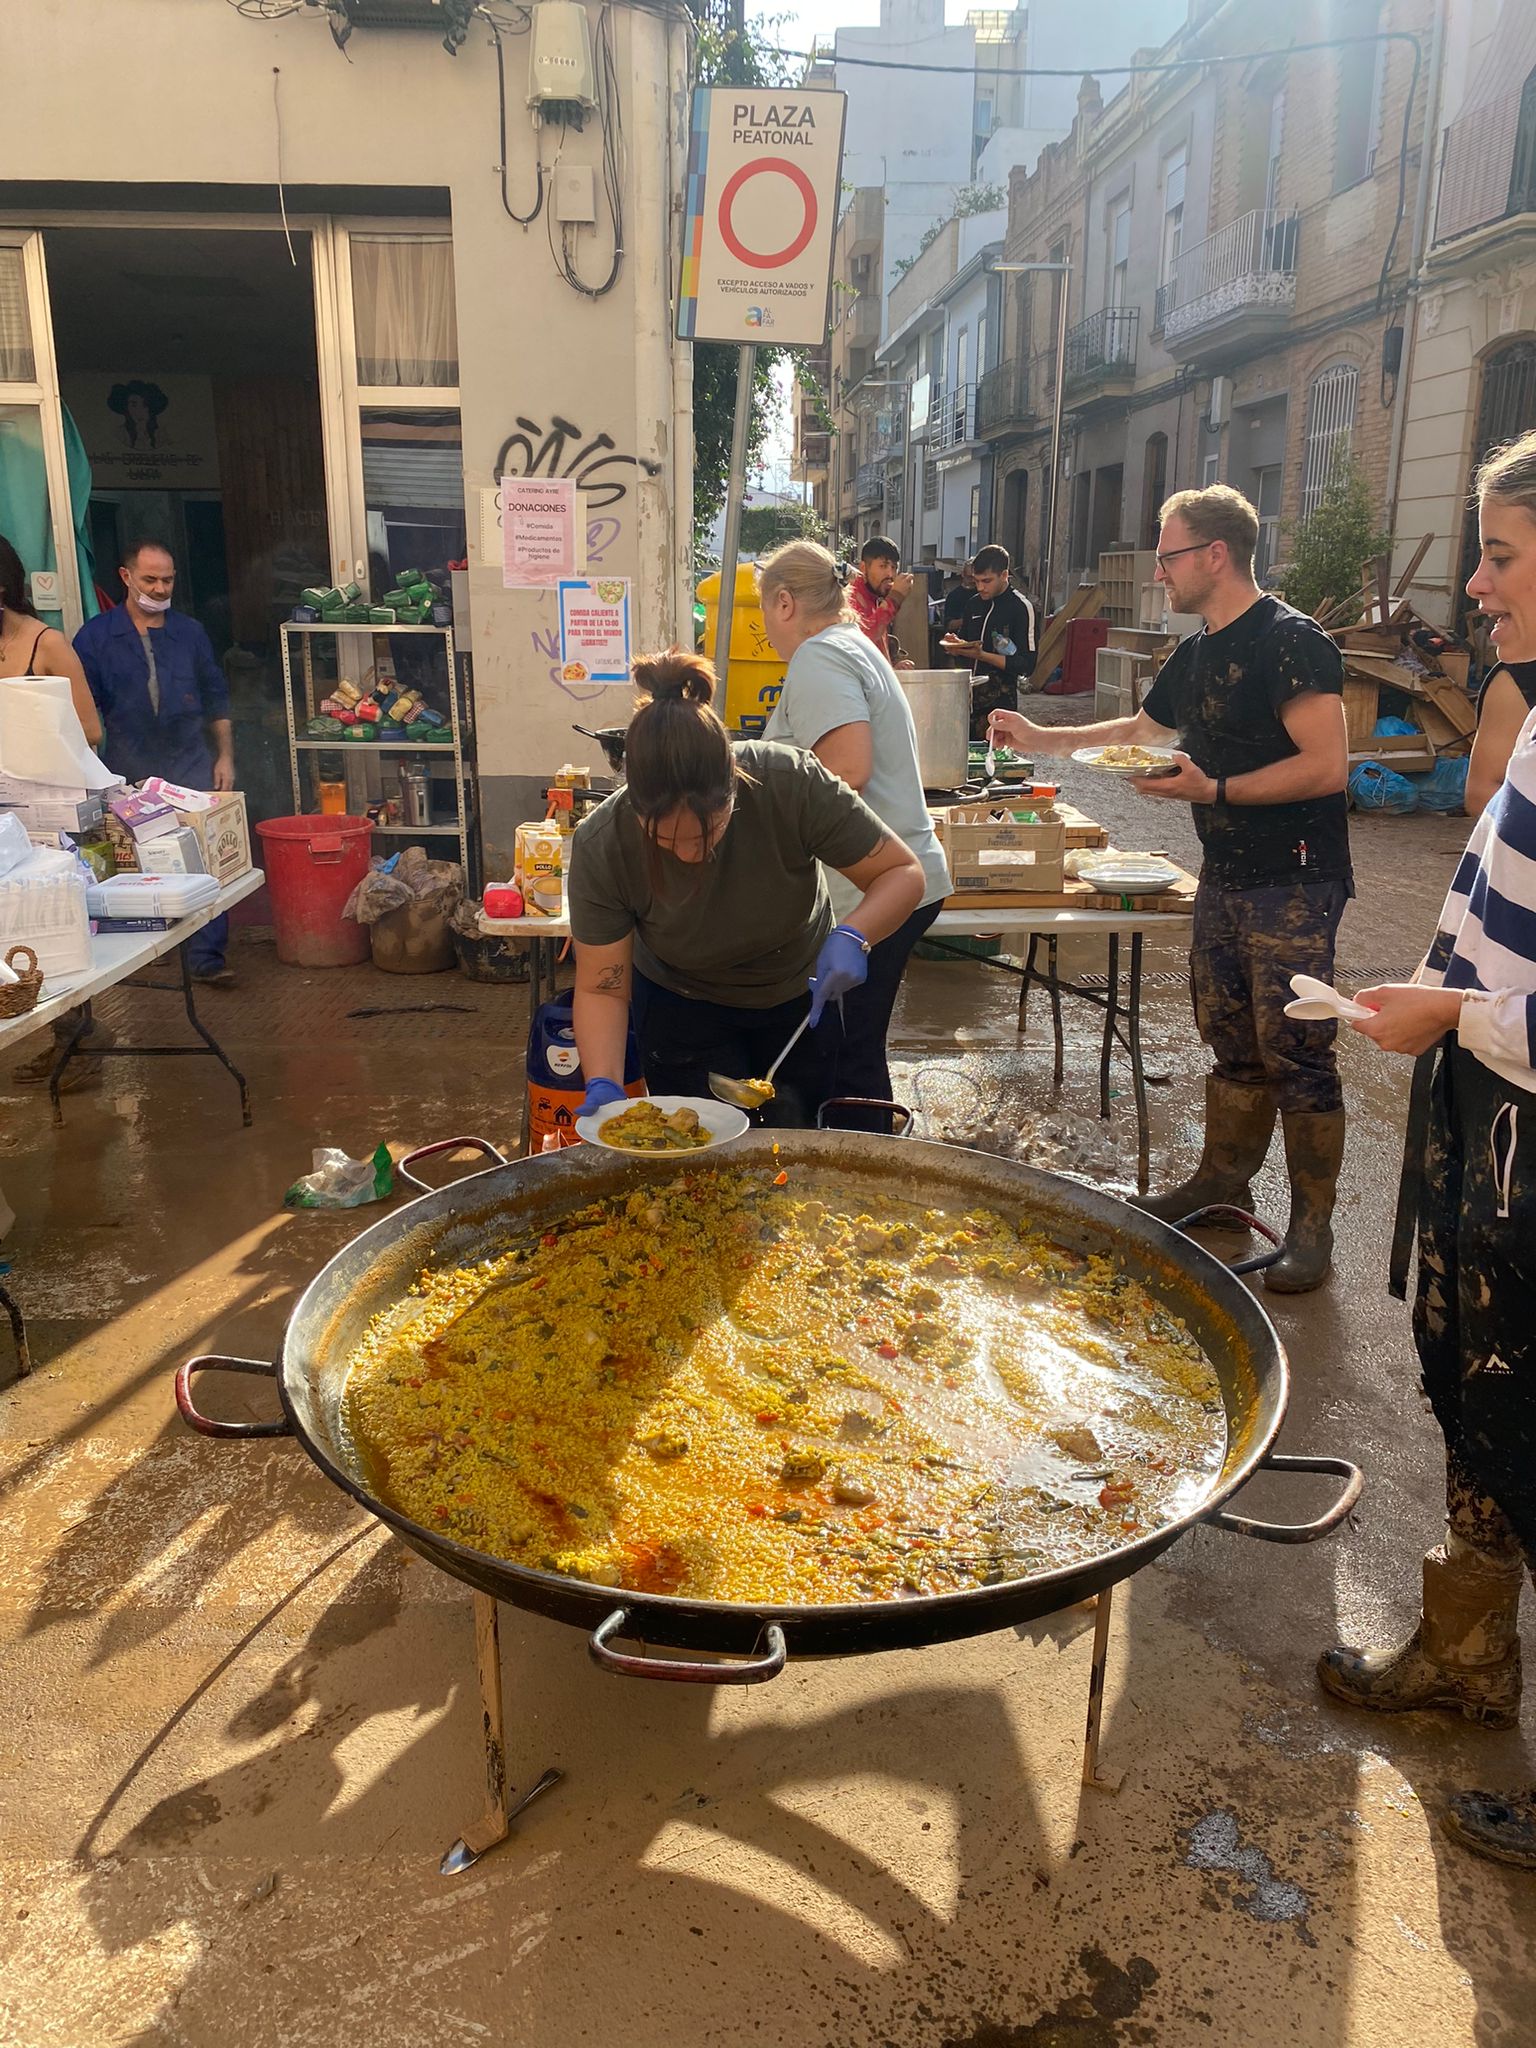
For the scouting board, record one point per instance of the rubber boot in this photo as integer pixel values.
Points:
(1314, 1152)
(1464, 1655)
(1498, 1825)
(1239, 1123)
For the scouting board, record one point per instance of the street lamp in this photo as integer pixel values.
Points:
(1064, 272)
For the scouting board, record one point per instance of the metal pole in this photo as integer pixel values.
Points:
(908, 528)
(1061, 378)
(735, 491)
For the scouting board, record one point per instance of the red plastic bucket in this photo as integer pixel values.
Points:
(313, 865)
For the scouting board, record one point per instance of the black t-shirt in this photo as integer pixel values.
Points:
(1223, 693)
(1003, 625)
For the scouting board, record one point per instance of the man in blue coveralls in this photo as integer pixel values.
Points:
(161, 695)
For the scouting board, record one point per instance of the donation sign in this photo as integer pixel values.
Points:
(764, 170)
(594, 631)
(538, 531)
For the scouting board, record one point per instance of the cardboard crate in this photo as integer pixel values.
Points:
(223, 834)
(989, 855)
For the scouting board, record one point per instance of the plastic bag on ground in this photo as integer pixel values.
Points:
(408, 877)
(1374, 788)
(339, 1182)
(1444, 788)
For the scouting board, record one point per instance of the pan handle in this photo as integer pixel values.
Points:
(751, 1671)
(264, 1368)
(403, 1166)
(1224, 1212)
(866, 1102)
(1298, 1532)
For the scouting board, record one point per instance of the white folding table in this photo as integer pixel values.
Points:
(114, 957)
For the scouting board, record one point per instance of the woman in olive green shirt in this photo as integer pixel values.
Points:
(698, 907)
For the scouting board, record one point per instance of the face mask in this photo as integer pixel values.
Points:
(151, 604)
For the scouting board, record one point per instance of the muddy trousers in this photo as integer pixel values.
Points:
(1244, 947)
(1474, 1315)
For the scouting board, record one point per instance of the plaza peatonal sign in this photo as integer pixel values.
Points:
(764, 171)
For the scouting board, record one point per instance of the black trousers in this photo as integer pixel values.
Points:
(991, 691)
(682, 1041)
(860, 1066)
(1474, 1316)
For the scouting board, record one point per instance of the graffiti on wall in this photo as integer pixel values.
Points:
(562, 450)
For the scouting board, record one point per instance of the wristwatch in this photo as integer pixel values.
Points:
(1221, 791)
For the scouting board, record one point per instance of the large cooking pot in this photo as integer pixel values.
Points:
(941, 711)
(476, 1217)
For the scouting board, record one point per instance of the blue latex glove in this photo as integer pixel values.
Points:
(842, 964)
(599, 1094)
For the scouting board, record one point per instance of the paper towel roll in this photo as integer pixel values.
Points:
(41, 737)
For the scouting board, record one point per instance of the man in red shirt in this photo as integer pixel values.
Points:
(876, 592)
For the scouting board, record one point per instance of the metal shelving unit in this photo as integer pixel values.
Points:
(314, 688)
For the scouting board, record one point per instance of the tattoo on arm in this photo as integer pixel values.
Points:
(611, 981)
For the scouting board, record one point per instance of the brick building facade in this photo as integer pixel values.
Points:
(1241, 238)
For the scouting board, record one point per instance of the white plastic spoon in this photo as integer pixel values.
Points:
(1316, 999)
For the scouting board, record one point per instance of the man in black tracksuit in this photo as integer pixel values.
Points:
(997, 636)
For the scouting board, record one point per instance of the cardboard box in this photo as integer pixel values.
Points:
(539, 868)
(46, 817)
(989, 852)
(173, 853)
(142, 816)
(224, 835)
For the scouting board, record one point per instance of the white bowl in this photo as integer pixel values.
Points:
(722, 1120)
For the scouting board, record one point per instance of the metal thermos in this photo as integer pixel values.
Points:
(415, 797)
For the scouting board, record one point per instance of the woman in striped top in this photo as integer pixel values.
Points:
(1474, 1318)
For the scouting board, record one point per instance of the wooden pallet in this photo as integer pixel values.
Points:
(1083, 833)
(1176, 901)
(1085, 603)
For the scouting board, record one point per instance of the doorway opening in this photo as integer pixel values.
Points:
(187, 362)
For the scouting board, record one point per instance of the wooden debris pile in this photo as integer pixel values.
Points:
(1392, 648)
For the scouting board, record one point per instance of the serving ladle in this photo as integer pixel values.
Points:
(751, 1095)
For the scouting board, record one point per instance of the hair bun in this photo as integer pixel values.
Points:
(676, 676)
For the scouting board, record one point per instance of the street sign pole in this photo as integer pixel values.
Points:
(764, 175)
(735, 492)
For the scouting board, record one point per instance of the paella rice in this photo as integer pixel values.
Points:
(727, 1388)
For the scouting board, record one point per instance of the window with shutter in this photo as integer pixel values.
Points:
(1330, 429)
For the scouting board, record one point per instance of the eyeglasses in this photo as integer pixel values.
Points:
(1173, 554)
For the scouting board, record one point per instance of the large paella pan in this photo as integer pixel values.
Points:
(477, 1224)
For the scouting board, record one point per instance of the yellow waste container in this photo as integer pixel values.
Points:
(755, 675)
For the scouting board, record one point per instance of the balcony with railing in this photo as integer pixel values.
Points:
(1101, 354)
(1488, 166)
(885, 435)
(1236, 286)
(869, 484)
(1003, 399)
(952, 418)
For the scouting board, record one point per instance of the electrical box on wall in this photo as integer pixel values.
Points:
(575, 195)
(1221, 403)
(561, 74)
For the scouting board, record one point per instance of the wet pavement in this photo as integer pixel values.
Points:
(241, 1723)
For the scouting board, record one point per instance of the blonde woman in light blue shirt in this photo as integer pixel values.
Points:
(841, 701)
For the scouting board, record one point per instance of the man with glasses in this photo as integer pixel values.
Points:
(1256, 701)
